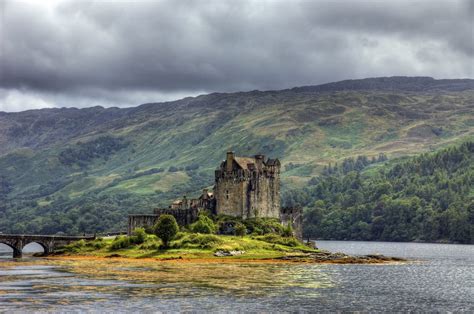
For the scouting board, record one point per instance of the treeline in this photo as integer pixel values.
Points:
(82, 153)
(353, 164)
(425, 198)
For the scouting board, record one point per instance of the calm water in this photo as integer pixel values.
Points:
(442, 279)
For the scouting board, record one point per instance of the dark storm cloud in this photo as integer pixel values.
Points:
(76, 53)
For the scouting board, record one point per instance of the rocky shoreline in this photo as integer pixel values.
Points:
(341, 258)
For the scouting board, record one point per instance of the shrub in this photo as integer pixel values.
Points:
(204, 225)
(166, 229)
(288, 231)
(99, 244)
(151, 245)
(204, 241)
(277, 239)
(120, 243)
(78, 244)
(138, 236)
(264, 226)
(240, 229)
(96, 244)
(179, 235)
(74, 247)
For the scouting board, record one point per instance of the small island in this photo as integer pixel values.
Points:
(200, 244)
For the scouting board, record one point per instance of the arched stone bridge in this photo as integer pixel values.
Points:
(49, 242)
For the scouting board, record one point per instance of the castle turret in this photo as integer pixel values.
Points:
(229, 161)
(259, 161)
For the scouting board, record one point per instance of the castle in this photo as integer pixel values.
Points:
(246, 187)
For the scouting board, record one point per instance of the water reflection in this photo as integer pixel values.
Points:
(439, 283)
(34, 286)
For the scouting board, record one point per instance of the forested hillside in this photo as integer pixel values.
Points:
(83, 170)
(425, 198)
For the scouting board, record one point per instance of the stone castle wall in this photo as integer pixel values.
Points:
(264, 197)
(140, 221)
(183, 217)
(248, 190)
(230, 195)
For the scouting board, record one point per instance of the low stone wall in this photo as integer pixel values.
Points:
(183, 217)
(294, 216)
(141, 221)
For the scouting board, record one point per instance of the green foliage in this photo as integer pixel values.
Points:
(258, 226)
(197, 240)
(138, 236)
(240, 229)
(428, 198)
(288, 231)
(264, 226)
(204, 224)
(278, 239)
(151, 243)
(77, 245)
(83, 153)
(166, 228)
(120, 242)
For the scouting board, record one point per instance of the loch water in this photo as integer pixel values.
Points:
(439, 278)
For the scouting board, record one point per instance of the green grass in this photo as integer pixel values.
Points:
(193, 245)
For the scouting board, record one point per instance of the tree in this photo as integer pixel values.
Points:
(240, 229)
(166, 229)
(204, 225)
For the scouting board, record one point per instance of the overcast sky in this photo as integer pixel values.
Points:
(124, 53)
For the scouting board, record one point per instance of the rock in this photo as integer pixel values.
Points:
(228, 253)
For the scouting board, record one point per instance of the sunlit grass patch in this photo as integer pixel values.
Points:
(190, 245)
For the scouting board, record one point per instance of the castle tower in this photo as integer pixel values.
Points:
(248, 187)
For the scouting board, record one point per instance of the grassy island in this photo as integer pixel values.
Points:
(192, 246)
(252, 240)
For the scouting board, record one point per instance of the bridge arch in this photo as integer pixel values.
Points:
(7, 244)
(16, 250)
(46, 249)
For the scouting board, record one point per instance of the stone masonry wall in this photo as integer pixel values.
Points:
(140, 221)
(183, 217)
(231, 198)
(248, 193)
(265, 198)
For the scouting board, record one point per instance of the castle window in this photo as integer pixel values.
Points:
(227, 194)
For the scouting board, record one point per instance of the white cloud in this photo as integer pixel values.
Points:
(14, 100)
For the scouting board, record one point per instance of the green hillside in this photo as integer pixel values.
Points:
(83, 170)
(429, 197)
